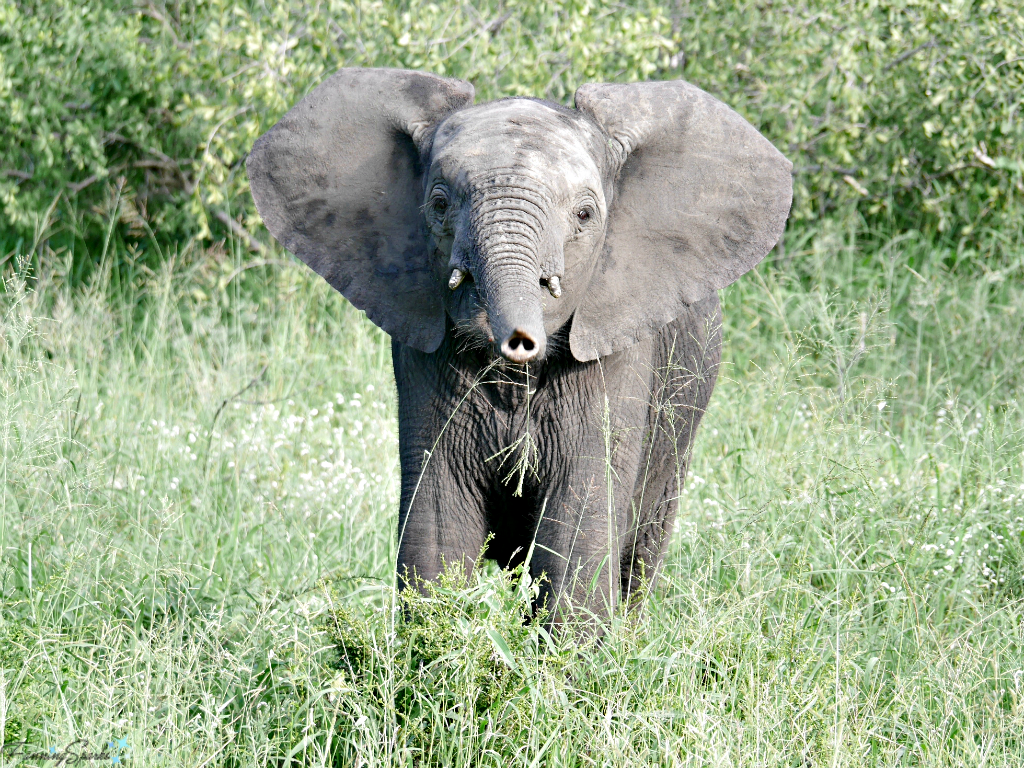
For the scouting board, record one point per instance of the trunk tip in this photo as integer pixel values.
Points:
(521, 346)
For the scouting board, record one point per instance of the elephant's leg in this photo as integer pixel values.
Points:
(441, 523)
(656, 501)
(684, 380)
(577, 546)
(592, 421)
(442, 518)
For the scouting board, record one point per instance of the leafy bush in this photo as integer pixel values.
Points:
(86, 98)
(468, 652)
(156, 106)
(905, 114)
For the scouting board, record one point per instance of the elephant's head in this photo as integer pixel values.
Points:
(514, 216)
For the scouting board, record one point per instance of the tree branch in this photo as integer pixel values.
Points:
(242, 233)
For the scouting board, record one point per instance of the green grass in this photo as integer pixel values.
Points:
(197, 532)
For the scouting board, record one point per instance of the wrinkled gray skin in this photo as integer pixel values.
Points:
(590, 242)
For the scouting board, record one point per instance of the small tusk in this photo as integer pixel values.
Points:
(456, 279)
(555, 287)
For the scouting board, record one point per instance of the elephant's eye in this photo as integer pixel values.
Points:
(438, 203)
(583, 214)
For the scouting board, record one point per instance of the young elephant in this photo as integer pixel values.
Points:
(548, 277)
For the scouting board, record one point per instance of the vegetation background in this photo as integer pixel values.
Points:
(199, 477)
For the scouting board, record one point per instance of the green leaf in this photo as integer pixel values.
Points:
(501, 648)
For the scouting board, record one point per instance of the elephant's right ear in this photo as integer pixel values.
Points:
(338, 181)
(700, 197)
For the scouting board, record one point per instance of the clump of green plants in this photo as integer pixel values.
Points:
(12, 674)
(467, 651)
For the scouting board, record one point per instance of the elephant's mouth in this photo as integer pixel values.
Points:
(470, 326)
(473, 331)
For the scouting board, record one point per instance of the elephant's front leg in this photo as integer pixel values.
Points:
(591, 419)
(441, 521)
(578, 544)
(585, 525)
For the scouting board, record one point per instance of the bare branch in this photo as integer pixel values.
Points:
(242, 233)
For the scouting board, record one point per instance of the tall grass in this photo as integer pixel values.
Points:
(197, 532)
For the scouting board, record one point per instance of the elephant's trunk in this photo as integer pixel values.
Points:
(507, 234)
(512, 295)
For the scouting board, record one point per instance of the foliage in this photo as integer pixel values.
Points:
(169, 97)
(908, 112)
(904, 114)
(87, 99)
(465, 650)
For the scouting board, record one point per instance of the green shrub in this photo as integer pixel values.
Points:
(468, 652)
(85, 100)
(154, 108)
(904, 114)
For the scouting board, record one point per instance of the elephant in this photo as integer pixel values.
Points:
(549, 279)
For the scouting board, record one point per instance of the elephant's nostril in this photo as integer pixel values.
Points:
(524, 342)
(520, 347)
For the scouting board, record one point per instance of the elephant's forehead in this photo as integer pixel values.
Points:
(516, 136)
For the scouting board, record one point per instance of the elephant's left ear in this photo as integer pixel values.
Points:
(700, 198)
(339, 182)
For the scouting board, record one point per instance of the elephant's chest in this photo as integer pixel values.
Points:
(510, 424)
(564, 418)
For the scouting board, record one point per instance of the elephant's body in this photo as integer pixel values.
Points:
(623, 423)
(549, 279)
